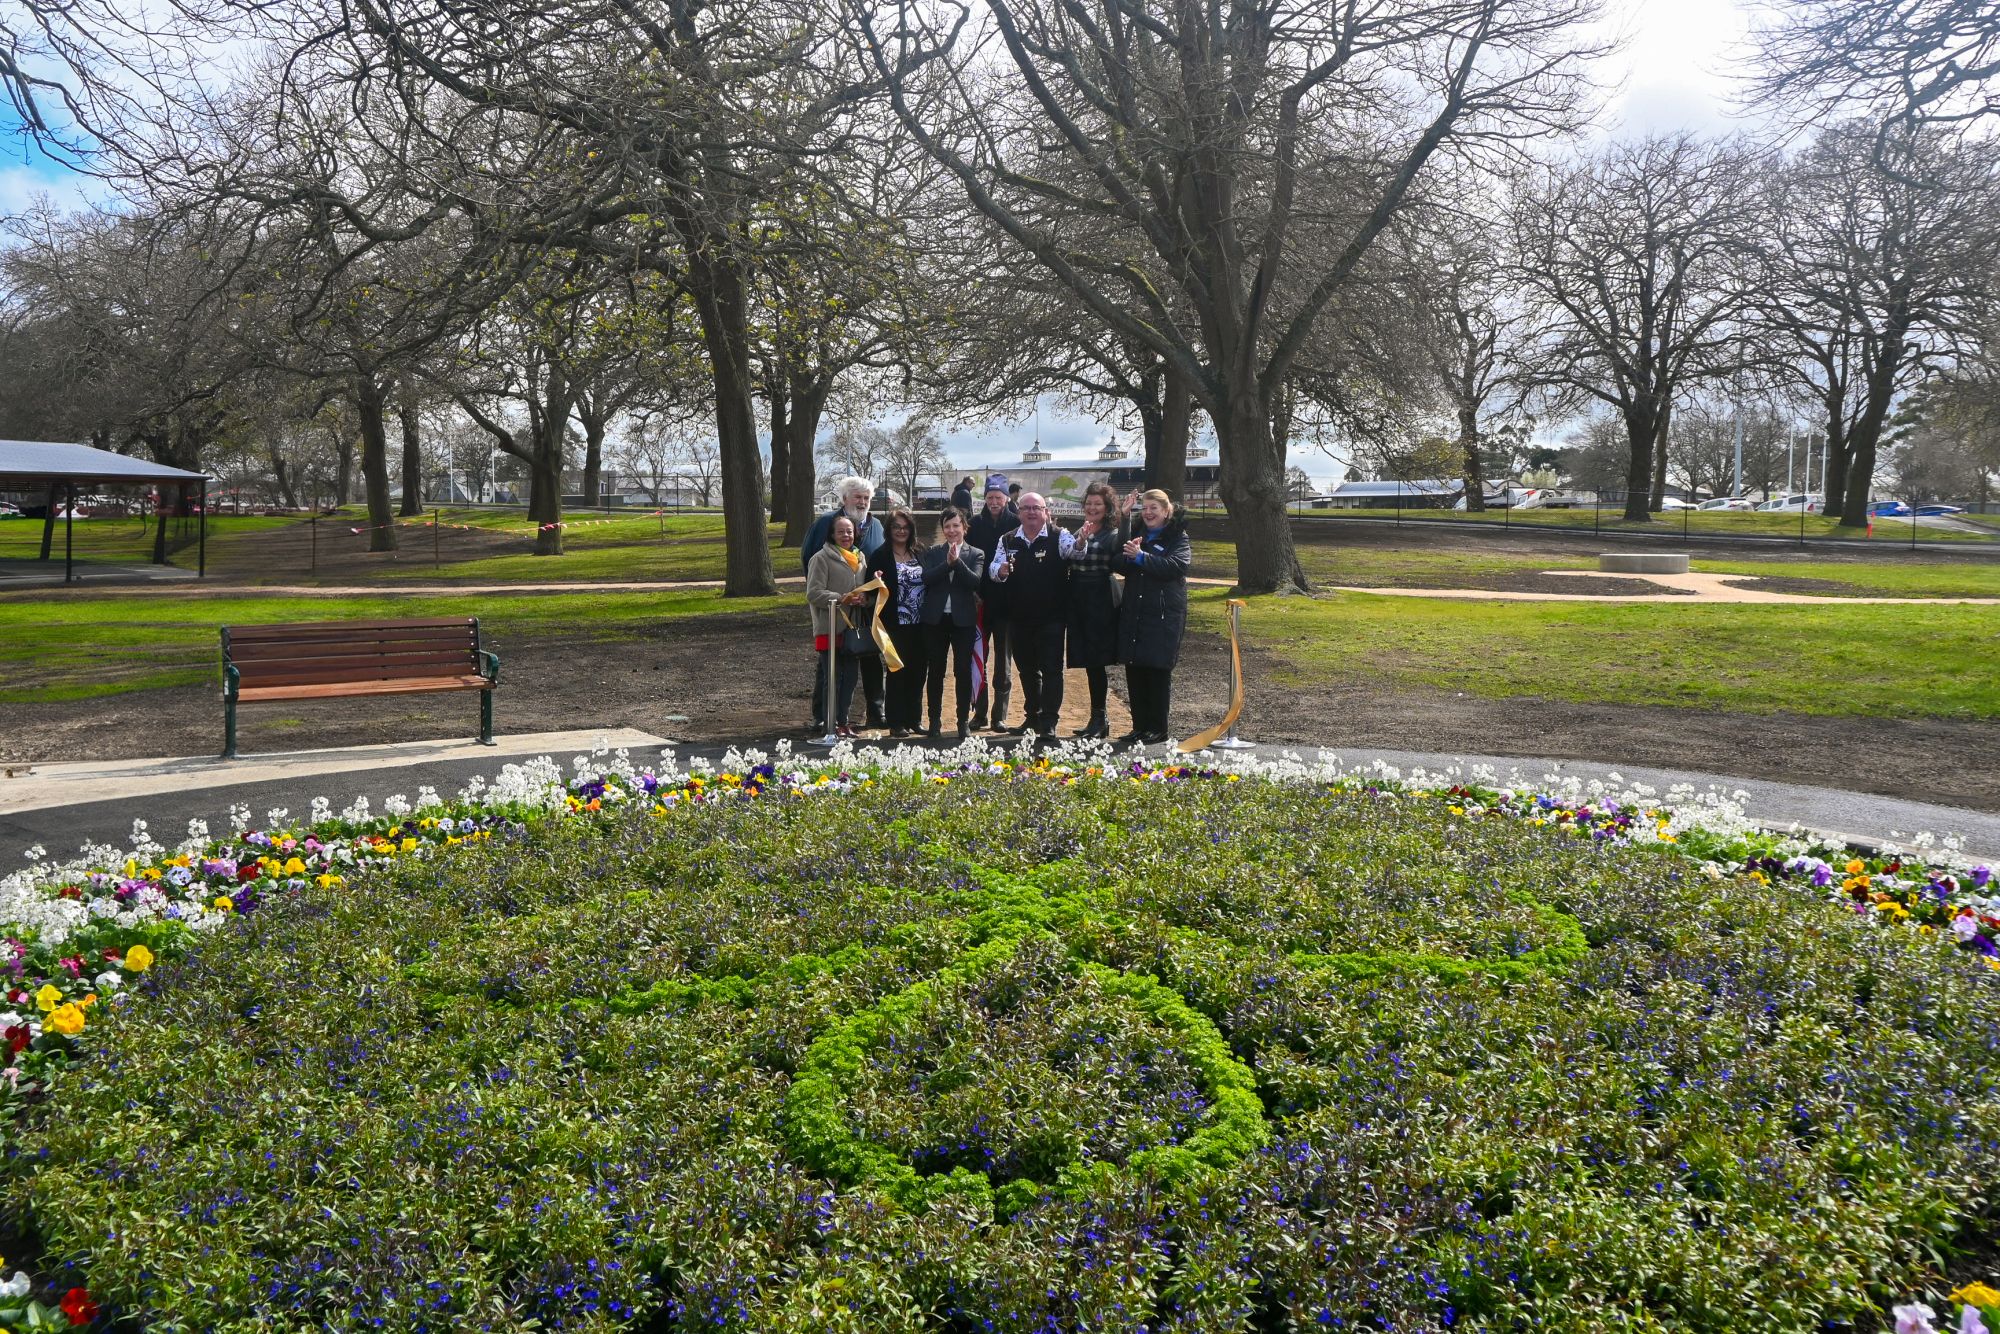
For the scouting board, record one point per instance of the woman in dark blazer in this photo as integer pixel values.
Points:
(898, 563)
(1093, 600)
(950, 614)
(1153, 615)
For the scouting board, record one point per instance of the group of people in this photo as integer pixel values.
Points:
(1012, 581)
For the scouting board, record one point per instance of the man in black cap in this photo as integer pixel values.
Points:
(988, 527)
(1032, 567)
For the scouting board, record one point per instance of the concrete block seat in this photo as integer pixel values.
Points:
(1643, 562)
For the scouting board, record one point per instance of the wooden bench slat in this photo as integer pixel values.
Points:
(307, 673)
(260, 654)
(280, 630)
(341, 690)
(462, 640)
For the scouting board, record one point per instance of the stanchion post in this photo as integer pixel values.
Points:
(832, 738)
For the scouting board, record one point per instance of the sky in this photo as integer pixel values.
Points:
(1671, 74)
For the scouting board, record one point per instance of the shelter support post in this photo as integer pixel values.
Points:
(69, 533)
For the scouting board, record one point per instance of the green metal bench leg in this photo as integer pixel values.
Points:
(486, 717)
(228, 727)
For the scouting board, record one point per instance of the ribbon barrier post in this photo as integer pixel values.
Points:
(1223, 736)
(831, 738)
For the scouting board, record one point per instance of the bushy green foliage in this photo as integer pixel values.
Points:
(1019, 1055)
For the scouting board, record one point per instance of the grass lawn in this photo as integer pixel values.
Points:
(84, 647)
(1417, 567)
(127, 539)
(1744, 523)
(1900, 661)
(689, 547)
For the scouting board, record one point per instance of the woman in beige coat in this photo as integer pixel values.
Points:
(832, 575)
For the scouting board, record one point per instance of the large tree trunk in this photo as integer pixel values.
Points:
(777, 395)
(1861, 445)
(545, 491)
(343, 469)
(49, 519)
(283, 475)
(375, 462)
(1474, 466)
(722, 303)
(1658, 500)
(1166, 464)
(1833, 472)
(593, 457)
(413, 458)
(1641, 430)
(809, 395)
(1253, 490)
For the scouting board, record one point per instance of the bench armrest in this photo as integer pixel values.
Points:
(489, 665)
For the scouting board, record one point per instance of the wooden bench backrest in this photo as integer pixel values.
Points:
(327, 652)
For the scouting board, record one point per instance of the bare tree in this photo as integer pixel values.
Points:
(1879, 253)
(1479, 335)
(1139, 148)
(1909, 61)
(1636, 258)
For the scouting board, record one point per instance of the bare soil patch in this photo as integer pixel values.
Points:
(747, 678)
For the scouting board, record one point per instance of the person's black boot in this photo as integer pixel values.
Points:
(1099, 726)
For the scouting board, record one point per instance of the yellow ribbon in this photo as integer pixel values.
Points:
(890, 658)
(1203, 740)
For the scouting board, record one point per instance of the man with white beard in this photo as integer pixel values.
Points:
(855, 493)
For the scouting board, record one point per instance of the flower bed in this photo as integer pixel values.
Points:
(1002, 1046)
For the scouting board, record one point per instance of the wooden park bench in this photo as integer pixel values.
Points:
(352, 659)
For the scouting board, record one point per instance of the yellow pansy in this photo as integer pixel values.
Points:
(1977, 1294)
(329, 881)
(48, 998)
(295, 867)
(409, 845)
(138, 959)
(67, 1020)
(223, 904)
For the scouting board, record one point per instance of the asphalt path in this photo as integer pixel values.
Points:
(1859, 817)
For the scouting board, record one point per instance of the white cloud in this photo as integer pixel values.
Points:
(1675, 71)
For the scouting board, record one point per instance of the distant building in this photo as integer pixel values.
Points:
(1395, 495)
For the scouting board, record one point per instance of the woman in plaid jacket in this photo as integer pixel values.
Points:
(1093, 600)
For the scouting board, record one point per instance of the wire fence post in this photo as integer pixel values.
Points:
(437, 558)
(1913, 525)
(313, 527)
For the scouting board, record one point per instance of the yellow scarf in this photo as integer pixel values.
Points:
(853, 558)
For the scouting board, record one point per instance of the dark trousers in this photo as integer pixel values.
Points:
(1152, 693)
(1100, 689)
(905, 689)
(956, 640)
(846, 666)
(871, 685)
(1038, 657)
(999, 685)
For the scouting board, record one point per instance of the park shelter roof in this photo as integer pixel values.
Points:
(28, 461)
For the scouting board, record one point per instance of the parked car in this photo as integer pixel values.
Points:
(1726, 503)
(1515, 498)
(1675, 503)
(1939, 511)
(8, 511)
(1811, 504)
(1888, 509)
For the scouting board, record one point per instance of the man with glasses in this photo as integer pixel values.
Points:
(1030, 572)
